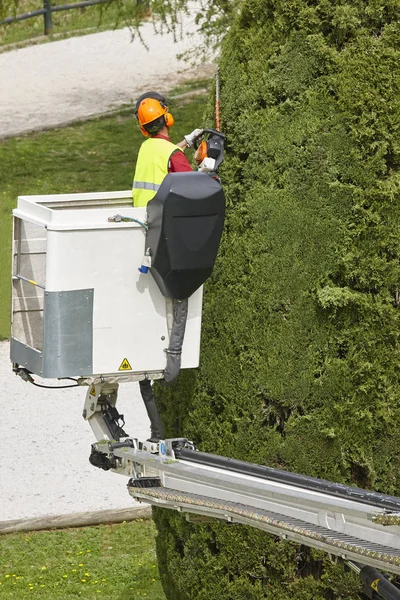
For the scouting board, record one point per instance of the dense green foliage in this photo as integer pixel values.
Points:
(300, 349)
(104, 562)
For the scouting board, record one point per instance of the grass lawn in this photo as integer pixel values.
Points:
(107, 562)
(97, 155)
(112, 14)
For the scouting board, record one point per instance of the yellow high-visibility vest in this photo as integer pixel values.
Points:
(151, 168)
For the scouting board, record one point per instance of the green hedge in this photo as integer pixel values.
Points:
(300, 358)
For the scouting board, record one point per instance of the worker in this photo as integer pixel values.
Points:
(157, 155)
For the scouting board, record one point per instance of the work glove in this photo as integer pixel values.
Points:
(190, 138)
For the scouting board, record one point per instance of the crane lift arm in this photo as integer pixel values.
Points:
(359, 526)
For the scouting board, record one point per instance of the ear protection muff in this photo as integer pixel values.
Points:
(145, 133)
(169, 119)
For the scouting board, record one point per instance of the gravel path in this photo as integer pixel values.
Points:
(60, 82)
(44, 468)
(46, 444)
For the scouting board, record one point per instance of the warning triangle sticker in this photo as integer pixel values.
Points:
(375, 585)
(125, 366)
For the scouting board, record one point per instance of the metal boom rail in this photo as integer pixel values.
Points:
(354, 524)
(303, 481)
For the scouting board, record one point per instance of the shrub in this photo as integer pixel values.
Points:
(300, 346)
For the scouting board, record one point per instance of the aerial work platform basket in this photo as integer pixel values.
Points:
(80, 305)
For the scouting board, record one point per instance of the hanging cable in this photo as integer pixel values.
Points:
(54, 387)
(26, 376)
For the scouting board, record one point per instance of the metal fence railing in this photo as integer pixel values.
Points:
(48, 9)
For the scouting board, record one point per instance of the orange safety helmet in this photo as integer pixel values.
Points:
(152, 113)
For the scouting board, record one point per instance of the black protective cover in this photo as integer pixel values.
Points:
(186, 219)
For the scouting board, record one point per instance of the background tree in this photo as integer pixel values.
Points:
(300, 346)
(212, 18)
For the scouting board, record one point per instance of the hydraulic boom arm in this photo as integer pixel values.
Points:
(351, 523)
